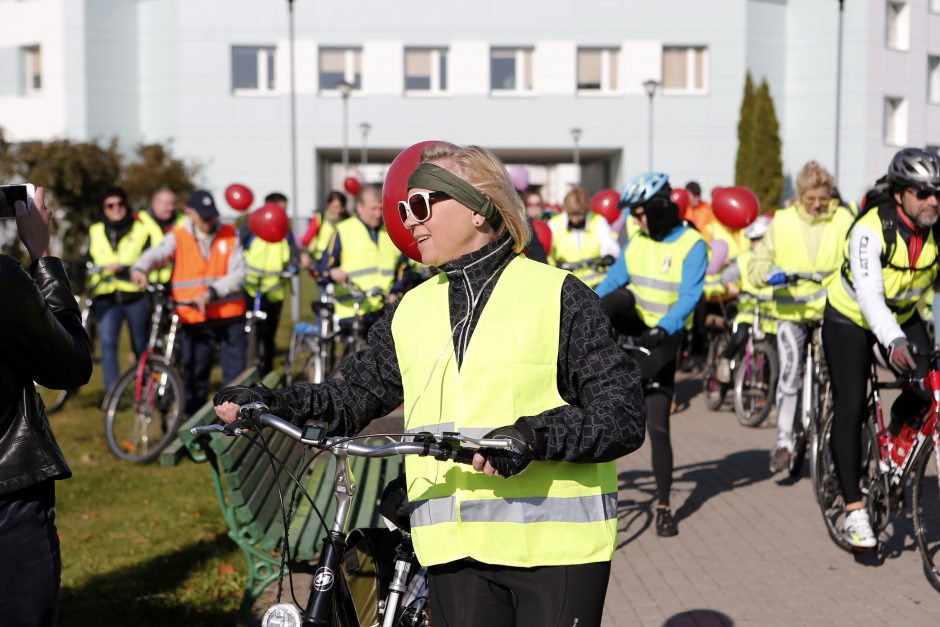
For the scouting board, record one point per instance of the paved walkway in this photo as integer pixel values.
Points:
(750, 551)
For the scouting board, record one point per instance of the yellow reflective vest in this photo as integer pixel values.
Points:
(903, 284)
(161, 275)
(807, 299)
(368, 264)
(318, 244)
(554, 513)
(567, 249)
(102, 255)
(655, 270)
(266, 261)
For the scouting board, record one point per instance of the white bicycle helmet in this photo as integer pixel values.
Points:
(640, 189)
(758, 227)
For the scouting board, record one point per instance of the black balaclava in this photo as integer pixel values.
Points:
(662, 215)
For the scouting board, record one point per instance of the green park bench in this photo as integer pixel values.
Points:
(246, 483)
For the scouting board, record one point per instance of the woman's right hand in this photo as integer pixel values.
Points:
(32, 224)
(227, 412)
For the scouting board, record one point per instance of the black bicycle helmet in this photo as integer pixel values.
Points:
(914, 167)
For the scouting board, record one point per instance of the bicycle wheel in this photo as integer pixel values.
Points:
(926, 508)
(144, 411)
(54, 400)
(715, 390)
(755, 382)
(795, 468)
(307, 362)
(829, 494)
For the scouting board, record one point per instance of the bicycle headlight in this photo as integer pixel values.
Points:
(282, 615)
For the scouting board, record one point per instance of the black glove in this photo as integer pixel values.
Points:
(900, 355)
(652, 337)
(242, 395)
(518, 455)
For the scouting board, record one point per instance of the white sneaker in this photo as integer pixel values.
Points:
(858, 531)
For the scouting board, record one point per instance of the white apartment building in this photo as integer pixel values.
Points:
(516, 76)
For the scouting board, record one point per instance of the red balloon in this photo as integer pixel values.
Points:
(605, 202)
(680, 197)
(544, 233)
(735, 207)
(715, 191)
(238, 196)
(395, 189)
(269, 222)
(352, 185)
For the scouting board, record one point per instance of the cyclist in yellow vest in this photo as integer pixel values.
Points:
(321, 228)
(114, 244)
(503, 346)
(266, 262)
(361, 252)
(663, 271)
(581, 235)
(804, 239)
(748, 295)
(159, 219)
(890, 261)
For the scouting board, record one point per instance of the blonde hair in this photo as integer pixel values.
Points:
(577, 198)
(812, 175)
(482, 169)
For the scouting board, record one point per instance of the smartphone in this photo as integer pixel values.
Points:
(9, 194)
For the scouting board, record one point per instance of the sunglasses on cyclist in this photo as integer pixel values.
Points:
(923, 193)
(419, 205)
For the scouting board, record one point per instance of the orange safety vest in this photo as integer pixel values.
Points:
(192, 274)
(701, 217)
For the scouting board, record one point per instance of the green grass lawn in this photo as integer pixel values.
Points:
(142, 545)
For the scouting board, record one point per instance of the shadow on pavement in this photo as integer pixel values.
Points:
(699, 618)
(709, 479)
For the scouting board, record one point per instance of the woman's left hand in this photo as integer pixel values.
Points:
(504, 462)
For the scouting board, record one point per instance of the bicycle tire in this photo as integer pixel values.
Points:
(798, 457)
(829, 494)
(925, 507)
(744, 400)
(715, 390)
(161, 405)
(54, 400)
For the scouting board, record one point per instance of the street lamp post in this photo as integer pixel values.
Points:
(651, 86)
(365, 127)
(295, 201)
(344, 90)
(576, 136)
(838, 88)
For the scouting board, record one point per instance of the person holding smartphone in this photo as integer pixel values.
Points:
(43, 341)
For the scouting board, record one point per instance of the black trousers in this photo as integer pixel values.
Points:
(658, 372)
(30, 564)
(466, 593)
(848, 350)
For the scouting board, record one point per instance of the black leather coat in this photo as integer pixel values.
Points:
(42, 340)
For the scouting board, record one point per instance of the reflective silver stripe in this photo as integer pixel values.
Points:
(656, 284)
(192, 283)
(904, 297)
(433, 511)
(363, 272)
(537, 509)
(813, 275)
(650, 305)
(470, 432)
(785, 299)
(848, 288)
(573, 509)
(264, 272)
(387, 272)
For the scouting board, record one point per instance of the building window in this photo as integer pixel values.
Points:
(685, 69)
(511, 69)
(425, 70)
(252, 69)
(339, 65)
(597, 69)
(32, 69)
(898, 25)
(895, 121)
(933, 79)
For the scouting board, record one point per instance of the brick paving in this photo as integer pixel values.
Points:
(751, 551)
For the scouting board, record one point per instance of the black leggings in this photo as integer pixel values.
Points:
(658, 372)
(848, 350)
(466, 593)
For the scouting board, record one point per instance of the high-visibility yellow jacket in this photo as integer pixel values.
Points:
(566, 248)
(266, 261)
(128, 251)
(369, 264)
(554, 513)
(656, 273)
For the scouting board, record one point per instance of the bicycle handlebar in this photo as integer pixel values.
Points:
(446, 446)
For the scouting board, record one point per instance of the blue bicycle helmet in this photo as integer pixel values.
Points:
(642, 188)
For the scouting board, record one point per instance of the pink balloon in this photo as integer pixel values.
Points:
(719, 256)
(519, 176)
